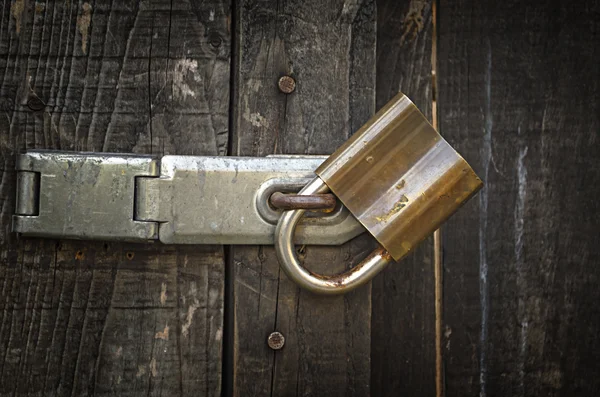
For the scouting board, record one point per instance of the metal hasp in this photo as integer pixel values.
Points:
(177, 199)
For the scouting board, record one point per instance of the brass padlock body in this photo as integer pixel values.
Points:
(399, 177)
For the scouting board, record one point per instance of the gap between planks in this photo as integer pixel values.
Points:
(437, 235)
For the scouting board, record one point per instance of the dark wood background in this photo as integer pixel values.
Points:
(515, 91)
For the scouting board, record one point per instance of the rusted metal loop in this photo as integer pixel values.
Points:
(324, 202)
(317, 283)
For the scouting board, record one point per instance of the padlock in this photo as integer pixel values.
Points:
(399, 178)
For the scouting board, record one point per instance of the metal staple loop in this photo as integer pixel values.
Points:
(324, 202)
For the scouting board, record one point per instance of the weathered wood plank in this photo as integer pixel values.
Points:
(518, 93)
(81, 318)
(403, 331)
(329, 48)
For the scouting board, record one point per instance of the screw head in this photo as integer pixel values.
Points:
(286, 84)
(276, 340)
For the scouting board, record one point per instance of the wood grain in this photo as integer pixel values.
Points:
(82, 318)
(329, 48)
(403, 329)
(518, 97)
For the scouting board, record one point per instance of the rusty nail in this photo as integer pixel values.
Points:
(282, 201)
(286, 84)
(276, 340)
(36, 104)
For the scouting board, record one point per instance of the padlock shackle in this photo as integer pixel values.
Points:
(317, 283)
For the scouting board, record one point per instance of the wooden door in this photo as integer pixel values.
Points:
(505, 303)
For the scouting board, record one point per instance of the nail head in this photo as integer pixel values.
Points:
(286, 84)
(276, 340)
(215, 40)
(35, 104)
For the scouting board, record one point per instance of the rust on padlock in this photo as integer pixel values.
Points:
(399, 177)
